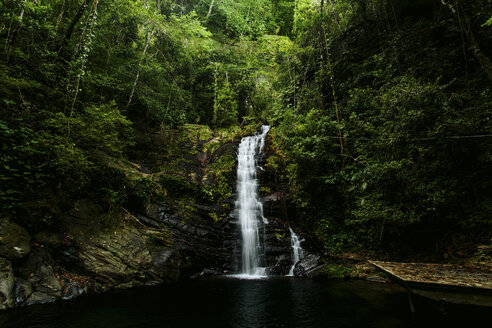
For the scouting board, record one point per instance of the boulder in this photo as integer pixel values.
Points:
(71, 290)
(51, 239)
(23, 290)
(115, 257)
(14, 240)
(307, 266)
(38, 271)
(40, 298)
(130, 253)
(168, 263)
(6, 284)
(282, 265)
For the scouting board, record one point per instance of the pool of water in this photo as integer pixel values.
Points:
(238, 303)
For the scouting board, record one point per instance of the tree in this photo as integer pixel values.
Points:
(225, 105)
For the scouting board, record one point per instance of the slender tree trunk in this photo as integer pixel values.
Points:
(21, 15)
(9, 32)
(214, 117)
(12, 34)
(210, 8)
(335, 102)
(147, 43)
(60, 16)
(465, 22)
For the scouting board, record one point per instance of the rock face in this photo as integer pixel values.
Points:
(200, 242)
(127, 253)
(14, 240)
(279, 253)
(171, 239)
(91, 255)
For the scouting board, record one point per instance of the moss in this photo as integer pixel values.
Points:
(225, 164)
(175, 166)
(334, 271)
(196, 132)
(130, 169)
(280, 234)
(219, 191)
(228, 134)
(160, 238)
(217, 217)
(179, 187)
(212, 145)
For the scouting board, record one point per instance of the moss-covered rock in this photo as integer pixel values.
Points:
(121, 251)
(333, 271)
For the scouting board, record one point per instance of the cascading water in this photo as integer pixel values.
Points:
(248, 205)
(297, 252)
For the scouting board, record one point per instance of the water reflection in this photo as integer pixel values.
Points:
(240, 303)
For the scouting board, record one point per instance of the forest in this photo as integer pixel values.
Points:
(381, 139)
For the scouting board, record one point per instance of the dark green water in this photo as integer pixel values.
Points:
(241, 303)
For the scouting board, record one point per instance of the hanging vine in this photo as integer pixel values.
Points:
(78, 65)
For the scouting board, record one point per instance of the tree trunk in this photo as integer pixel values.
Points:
(21, 15)
(74, 22)
(12, 34)
(210, 8)
(480, 56)
(147, 43)
(335, 102)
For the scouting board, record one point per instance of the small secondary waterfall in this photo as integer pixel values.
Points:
(248, 205)
(297, 252)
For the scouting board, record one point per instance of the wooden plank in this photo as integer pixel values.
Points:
(439, 274)
(442, 282)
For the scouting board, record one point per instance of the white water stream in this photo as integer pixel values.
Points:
(248, 204)
(297, 252)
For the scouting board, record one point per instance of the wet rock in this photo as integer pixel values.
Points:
(37, 269)
(6, 284)
(130, 284)
(168, 263)
(115, 259)
(126, 254)
(307, 266)
(14, 240)
(200, 240)
(68, 256)
(71, 291)
(40, 298)
(278, 250)
(282, 265)
(207, 273)
(51, 239)
(23, 290)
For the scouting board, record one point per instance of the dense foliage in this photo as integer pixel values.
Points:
(381, 108)
(77, 76)
(384, 123)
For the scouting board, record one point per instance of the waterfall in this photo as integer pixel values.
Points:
(248, 205)
(297, 252)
